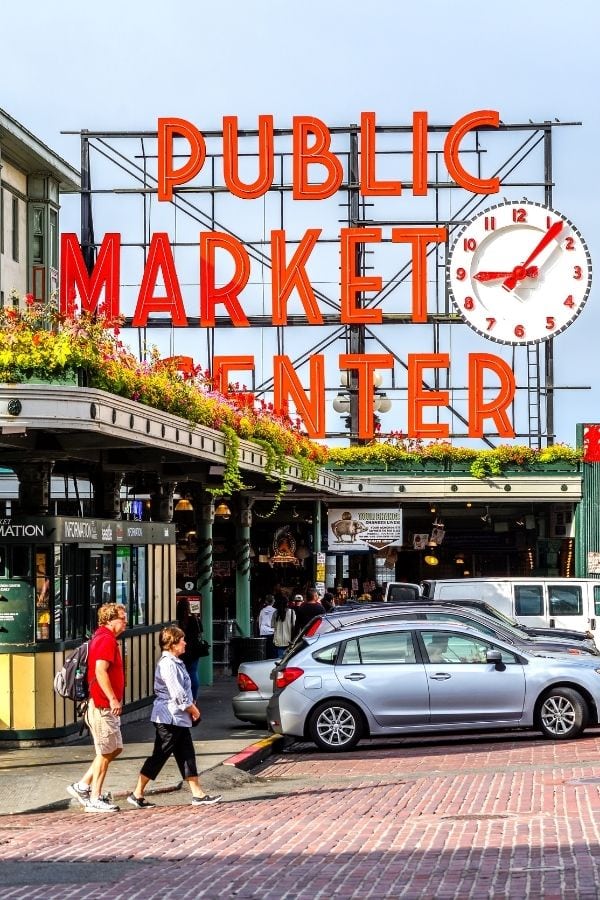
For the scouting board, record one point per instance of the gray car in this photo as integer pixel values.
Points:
(255, 690)
(398, 678)
(256, 684)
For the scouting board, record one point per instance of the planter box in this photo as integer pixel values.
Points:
(79, 379)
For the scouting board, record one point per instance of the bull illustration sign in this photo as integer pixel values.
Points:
(346, 529)
(364, 528)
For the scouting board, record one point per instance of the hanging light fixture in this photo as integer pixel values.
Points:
(184, 505)
(431, 560)
(459, 559)
(222, 511)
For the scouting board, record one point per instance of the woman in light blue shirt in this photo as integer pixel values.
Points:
(173, 713)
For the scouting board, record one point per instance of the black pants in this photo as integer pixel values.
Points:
(171, 740)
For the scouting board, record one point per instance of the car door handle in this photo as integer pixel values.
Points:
(440, 676)
(356, 676)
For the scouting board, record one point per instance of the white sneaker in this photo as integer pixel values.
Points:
(82, 796)
(100, 805)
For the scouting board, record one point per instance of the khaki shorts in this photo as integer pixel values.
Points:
(105, 728)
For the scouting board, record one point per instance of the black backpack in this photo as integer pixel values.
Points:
(71, 681)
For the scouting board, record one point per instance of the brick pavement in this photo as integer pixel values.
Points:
(511, 817)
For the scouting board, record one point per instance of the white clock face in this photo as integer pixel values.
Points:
(519, 273)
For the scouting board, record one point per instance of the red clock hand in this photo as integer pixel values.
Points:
(531, 272)
(520, 272)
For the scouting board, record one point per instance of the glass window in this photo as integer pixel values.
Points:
(139, 592)
(597, 599)
(76, 601)
(58, 594)
(375, 649)
(20, 562)
(350, 655)
(529, 600)
(326, 654)
(1, 220)
(451, 648)
(565, 600)
(43, 594)
(123, 579)
(53, 239)
(15, 229)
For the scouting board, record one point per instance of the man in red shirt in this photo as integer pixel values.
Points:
(107, 687)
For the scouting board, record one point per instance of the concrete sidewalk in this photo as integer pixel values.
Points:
(35, 778)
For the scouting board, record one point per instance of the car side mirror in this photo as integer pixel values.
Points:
(494, 656)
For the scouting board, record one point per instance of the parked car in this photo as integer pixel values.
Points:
(256, 684)
(256, 688)
(489, 609)
(380, 679)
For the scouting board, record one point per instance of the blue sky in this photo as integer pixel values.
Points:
(123, 64)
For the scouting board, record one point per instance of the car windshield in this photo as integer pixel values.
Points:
(496, 614)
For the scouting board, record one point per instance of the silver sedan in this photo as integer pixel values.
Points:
(415, 677)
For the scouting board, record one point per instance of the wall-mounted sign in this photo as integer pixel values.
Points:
(364, 529)
(593, 563)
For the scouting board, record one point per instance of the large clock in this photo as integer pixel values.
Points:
(519, 273)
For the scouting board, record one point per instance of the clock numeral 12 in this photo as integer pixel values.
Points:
(519, 215)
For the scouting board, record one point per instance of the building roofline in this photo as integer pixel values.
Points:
(28, 151)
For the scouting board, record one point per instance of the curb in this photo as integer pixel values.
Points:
(254, 754)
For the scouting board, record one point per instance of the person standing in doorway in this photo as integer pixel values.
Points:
(283, 625)
(173, 713)
(191, 626)
(265, 629)
(307, 611)
(107, 687)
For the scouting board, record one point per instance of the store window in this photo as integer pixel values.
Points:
(43, 595)
(139, 589)
(131, 583)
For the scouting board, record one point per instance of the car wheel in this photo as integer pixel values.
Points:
(562, 714)
(335, 726)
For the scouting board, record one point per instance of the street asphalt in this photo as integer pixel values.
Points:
(35, 779)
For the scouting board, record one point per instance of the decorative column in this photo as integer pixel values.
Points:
(242, 565)
(107, 495)
(161, 500)
(204, 584)
(34, 486)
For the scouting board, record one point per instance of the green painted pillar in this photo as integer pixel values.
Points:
(316, 537)
(242, 565)
(205, 581)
